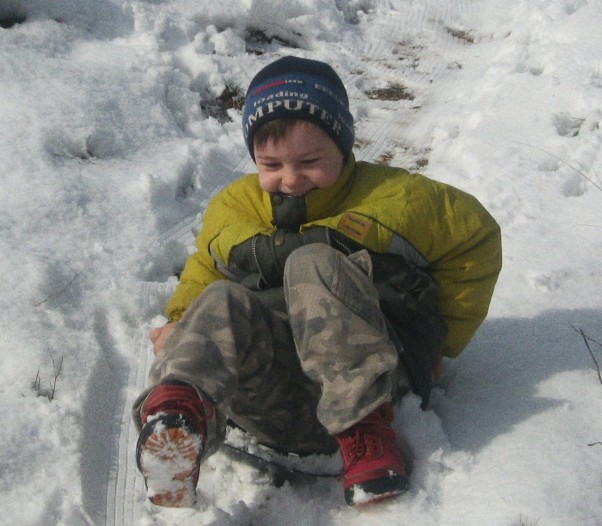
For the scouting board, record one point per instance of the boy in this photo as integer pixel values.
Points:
(322, 290)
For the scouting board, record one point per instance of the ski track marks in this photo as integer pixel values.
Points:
(414, 51)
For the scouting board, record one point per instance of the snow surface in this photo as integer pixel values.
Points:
(111, 143)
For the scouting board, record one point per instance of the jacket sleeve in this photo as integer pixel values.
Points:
(234, 215)
(438, 228)
(467, 267)
(198, 273)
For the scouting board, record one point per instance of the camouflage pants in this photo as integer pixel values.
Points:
(294, 378)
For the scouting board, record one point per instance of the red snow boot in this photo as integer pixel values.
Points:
(171, 443)
(373, 468)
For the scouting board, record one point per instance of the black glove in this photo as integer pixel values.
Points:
(266, 255)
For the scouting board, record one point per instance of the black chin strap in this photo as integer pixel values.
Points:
(288, 211)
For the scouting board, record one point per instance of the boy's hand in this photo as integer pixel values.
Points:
(159, 334)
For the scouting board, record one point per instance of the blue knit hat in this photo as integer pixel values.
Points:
(299, 88)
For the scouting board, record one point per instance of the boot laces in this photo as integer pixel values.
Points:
(357, 443)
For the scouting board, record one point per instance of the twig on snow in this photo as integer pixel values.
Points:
(83, 158)
(58, 292)
(587, 339)
(36, 385)
(597, 184)
(57, 372)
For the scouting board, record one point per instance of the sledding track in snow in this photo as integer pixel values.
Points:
(407, 54)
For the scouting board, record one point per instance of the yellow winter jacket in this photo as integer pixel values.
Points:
(388, 210)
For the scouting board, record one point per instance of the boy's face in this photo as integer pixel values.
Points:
(304, 159)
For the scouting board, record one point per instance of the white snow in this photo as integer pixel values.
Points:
(109, 155)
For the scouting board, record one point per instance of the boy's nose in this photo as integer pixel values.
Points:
(291, 179)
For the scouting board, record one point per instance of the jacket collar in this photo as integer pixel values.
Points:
(290, 212)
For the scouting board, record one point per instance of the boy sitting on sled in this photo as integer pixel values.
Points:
(323, 289)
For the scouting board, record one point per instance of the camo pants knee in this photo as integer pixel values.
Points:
(292, 379)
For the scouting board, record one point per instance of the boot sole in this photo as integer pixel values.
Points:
(168, 457)
(376, 490)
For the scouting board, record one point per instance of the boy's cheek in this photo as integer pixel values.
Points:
(268, 184)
